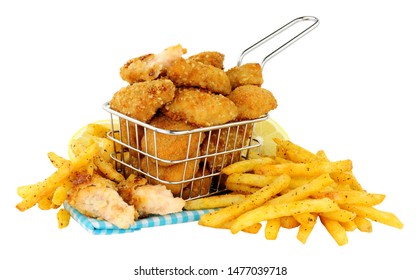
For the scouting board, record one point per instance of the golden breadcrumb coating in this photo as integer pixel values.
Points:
(170, 147)
(252, 101)
(246, 74)
(142, 100)
(190, 73)
(201, 108)
(215, 59)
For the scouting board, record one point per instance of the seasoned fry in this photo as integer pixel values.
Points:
(56, 160)
(247, 165)
(250, 179)
(307, 223)
(292, 152)
(272, 228)
(335, 230)
(288, 222)
(374, 214)
(252, 201)
(353, 197)
(108, 169)
(342, 216)
(277, 210)
(217, 201)
(304, 191)
(63, 218)
(305, 169)
(363, 224)
(241, 188)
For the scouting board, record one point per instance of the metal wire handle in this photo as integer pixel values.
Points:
(285, 45)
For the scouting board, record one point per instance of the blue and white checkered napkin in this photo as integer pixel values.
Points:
(101, 227)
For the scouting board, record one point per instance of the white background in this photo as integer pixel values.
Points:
(348, 87)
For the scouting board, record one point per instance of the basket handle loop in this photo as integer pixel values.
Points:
(285, 45)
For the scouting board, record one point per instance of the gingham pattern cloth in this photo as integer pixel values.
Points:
(101, 227)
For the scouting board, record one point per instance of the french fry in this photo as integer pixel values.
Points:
(304, 191)
(252, 201)
(241, 188)
(56, 160)
(289, 222)
(28, 190)
(272, 228)
(342, 216)
(307, 223)
(349, 226)
(290, 151)
(311, 169)
(217, 201)
(46, 188)
(63, 218)
(363, 224)
(250, 179)
(277, 210)
(353, 197)
(374, 214)
(107, 169)
(246, 165)
(336, 230)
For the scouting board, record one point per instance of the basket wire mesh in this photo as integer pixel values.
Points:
(208, 149)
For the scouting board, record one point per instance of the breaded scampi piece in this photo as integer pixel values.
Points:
(215, 59)
(174, 174)
(200, 108)
(226, 140)
(142, 100)
(190, 73)
(97, 197)
(150, 66)
(252, 101)
(171, 147)
(246, 74)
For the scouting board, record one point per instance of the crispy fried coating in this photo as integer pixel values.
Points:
(252, 101)
(150, 66)
(200, 108)
(246, 74)
(171, 147)
(190, 73)
(215, 59)
(198, 187)
(142, 100)
(174, 174)
(226, 140)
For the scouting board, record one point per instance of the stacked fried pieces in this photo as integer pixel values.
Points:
(175, 93)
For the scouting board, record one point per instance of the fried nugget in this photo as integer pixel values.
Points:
(141, 100)
(171, 147)
(199, 187)
(215, 59)
(252, 101)
(246, 74)
(150, 66)
(227, 139)
(200, 108)
(173, 176)
(190, 73)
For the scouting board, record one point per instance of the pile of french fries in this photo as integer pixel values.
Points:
(91, 154)
(294, 188)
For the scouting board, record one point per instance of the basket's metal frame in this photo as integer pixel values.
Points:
(126, 153)
(315, 23)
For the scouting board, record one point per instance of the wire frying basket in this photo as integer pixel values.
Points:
(205, 151)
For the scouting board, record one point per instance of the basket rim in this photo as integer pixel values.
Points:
(107, 108)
